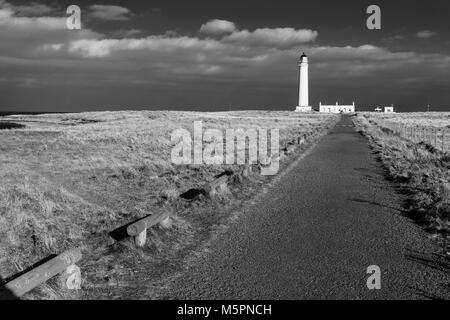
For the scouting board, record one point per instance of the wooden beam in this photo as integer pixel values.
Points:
(28, 281)
(138, 227)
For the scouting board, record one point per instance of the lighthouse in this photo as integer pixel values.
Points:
(303, 94)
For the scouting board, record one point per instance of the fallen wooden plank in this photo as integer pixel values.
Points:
(28, 281)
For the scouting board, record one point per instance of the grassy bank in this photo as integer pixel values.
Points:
(422, 171)
(70, 179)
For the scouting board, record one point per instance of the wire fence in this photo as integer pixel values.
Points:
(438, 137)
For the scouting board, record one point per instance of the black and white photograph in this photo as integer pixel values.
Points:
(225, 156)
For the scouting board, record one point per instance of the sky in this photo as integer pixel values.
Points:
(213, 55)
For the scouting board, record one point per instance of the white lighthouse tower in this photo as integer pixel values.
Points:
(303, 98)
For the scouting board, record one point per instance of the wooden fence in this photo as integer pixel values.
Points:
(438, 137)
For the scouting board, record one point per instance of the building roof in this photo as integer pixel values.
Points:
(303, 56)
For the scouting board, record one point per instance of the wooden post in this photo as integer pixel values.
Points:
(443, 138)
(28, 281)
(166, 223)
(247, 171)
(70, 278)
(217, 186)
(141, 239)
(435, 137)
(138, 230)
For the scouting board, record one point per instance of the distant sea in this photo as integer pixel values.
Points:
(9, 113)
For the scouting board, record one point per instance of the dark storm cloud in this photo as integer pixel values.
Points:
(216, 62)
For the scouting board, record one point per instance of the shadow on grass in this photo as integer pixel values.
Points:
(425, 294)
(6, 293)
(194, 194)
(375, 204)
(435, 261)
(10, 125)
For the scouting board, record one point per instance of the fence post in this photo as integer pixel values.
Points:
(141, 239)
(443, 138)
(70, 278)
(435, 137)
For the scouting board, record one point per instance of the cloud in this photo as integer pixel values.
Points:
(9, 18)
(238, 42)
(394, 38)
(107, 47)
(33, 9)
(218, 27)
(109, 12)
(126, 33)
(23, 36)
(277, 37)
(425, 34)
(41, 52)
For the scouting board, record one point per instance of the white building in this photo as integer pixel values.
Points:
(303, 94)
(337, 108)
(378, 109)
(389, 109)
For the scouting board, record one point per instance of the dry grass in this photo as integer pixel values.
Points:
(69, 179)
(422, 171)
(428, 119)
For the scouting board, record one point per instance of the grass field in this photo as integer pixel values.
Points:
(429, 127)
(422, 170)
(428, 119)
(69, 179)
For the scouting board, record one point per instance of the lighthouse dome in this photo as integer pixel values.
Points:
(303, 58)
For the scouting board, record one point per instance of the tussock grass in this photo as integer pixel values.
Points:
(422, 171)
(69, 179)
